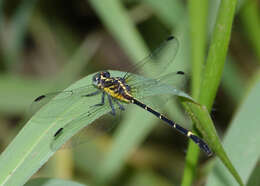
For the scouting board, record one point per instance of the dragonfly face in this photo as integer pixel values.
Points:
(98, 79)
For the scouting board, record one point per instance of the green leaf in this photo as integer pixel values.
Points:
(130, 134)
(242, 140)
(126, 34)
(203, 122)
(212, 76)
(250, 19)
(146, 177)
(52, 182)
(31, 148)
(217, 52)
(169, 11)
(36, 142)
(254, 178)
(18, 26)
(198, 18)
(28, 88)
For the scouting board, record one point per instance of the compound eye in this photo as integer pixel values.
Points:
(106, 74)
(96, 77)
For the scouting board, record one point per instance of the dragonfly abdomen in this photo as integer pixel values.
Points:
(179, 128)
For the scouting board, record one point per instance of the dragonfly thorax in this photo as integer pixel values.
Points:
(114, 86)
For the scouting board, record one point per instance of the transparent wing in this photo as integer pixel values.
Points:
(94, 128)
(76, 110)
(157, 61)
(60, 99)
(157, 92)
(173, 83)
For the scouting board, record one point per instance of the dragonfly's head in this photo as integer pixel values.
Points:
(99, 77)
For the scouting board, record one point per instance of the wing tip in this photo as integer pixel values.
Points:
(180, 72)
(58, 132)
(170, 38)
(39, 98)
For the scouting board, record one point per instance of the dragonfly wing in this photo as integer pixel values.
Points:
(58, 101)
(158, 60)
(86, 127)
(172, 84)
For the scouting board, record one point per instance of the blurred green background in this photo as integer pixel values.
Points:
(47, 45)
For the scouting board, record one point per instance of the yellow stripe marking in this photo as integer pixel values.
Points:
(189, 134)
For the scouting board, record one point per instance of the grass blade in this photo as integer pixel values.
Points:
(203, 122)
(31, 148)
(198, 20)
(52, 182)
(18, 26)
(132, 43)
(213, 73)
(241, 140)
(126, 34)
(250, 18)
(28, 88)
(217, 52)
(36, 142)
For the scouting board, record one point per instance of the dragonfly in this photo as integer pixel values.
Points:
(118, 91)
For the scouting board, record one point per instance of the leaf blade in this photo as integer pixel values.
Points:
(241, 139)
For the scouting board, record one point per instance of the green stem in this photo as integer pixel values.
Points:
(250, 19)
(191, 164)
(198, 21)
(217, 52)
(213, 71)
(216, 60)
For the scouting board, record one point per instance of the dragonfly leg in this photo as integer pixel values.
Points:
(121, 107)
(92, 94)
(113, 111)
(102, 100)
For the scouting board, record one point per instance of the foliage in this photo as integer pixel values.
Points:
(45, 46)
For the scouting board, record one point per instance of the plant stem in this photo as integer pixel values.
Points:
(198, 21)
(217, 52)
(213, 71)
(250, 19)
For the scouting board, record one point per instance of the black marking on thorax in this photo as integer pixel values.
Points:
(116, 84)
(107, 82)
